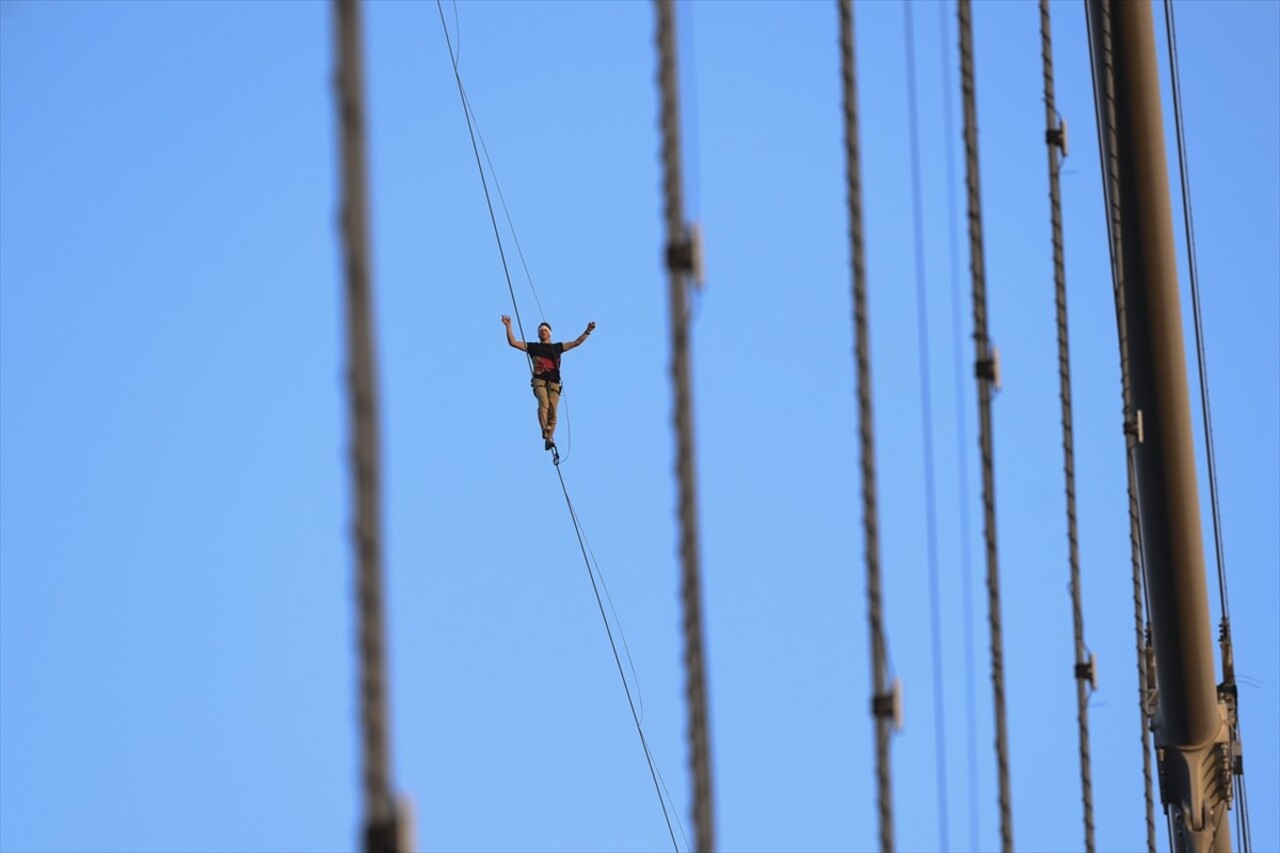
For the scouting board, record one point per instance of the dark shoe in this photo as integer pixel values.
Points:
(550, 444)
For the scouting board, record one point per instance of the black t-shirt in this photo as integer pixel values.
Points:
(546, 360)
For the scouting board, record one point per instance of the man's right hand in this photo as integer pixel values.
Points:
(506, 321)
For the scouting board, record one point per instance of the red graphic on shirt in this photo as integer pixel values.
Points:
(543, 365)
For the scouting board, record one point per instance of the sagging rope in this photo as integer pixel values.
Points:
(881, 699)
(659, 786)
(1055, 139)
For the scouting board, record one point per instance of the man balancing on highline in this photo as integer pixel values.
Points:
(546, 372)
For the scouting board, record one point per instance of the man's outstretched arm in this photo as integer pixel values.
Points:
(576, 342)
(511, 339)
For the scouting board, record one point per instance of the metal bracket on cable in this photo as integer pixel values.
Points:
(1088, 671)
(989, 368)
(685, 255)
(1057, 137)
(889, 705)
(1133, 427)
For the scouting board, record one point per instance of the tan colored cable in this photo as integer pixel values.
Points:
(678, 268)
(1056, 143)
(380, 830)
(985, 369)
(866, 429)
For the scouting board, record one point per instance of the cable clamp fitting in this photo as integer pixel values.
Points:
(685, 254)
(1133, 427)
(888, 706)
(1088, 671)
(989, 368)
(1057, 137)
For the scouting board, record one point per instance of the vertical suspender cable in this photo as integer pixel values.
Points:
(962, 444)
(1102, 58)
(985, 368)
(380, 831)
(679, 266)
(926, 416)
(880, 699)
(1056, 143)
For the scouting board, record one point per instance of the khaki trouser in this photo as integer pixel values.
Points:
(548, 394)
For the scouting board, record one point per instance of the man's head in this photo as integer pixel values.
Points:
(544, 332)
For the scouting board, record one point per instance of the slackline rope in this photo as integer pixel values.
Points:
(659, 786)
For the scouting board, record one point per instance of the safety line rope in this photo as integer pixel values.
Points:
(866, 428)
(985, 370)
(635, 715)
(466, 109)
(473, 130)
(1101, 66)
(1056, 143)
(926, 414)
(473, 122)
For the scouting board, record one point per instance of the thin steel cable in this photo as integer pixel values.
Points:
(1052, 125)
(635, 716)
(1193, 272)
(962, 439)
(695, 668)
(926, 415)
(1101, 68)
(985, 365)
(379, 805)
(866, 426)
(1244, 840)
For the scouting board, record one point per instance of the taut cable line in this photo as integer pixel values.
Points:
(679, 254)
(926, 418)
(1228, 689)
(881, 699)
(381, 831)
(962, 440)
(1055, 139)
(985, 368)
(588, 558)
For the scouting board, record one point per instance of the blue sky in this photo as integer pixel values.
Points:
(177, 658)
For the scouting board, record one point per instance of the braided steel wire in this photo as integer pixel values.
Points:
(690, 591)
(1102, 65)
(985, 382)
(1055, 142)
(866, 425)
(379, 806)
